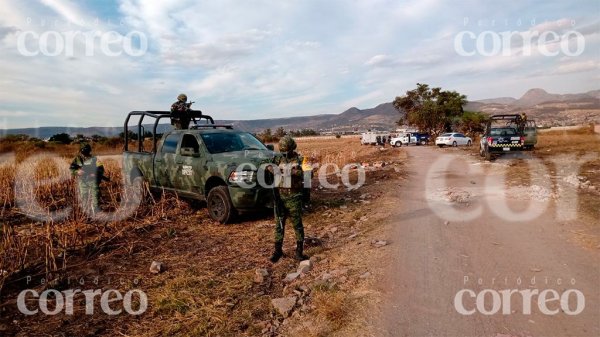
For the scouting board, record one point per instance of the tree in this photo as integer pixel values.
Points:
(280, 132)
(431, 109)
(266, 136)
(62, 138)
(98, 138)
(472, 123)
(15, 138)
(130, 135)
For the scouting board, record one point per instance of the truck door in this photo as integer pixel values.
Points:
(189, 162)
(165, 161)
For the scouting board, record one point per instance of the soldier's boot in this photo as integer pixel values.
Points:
(278, 253)
(300, 251)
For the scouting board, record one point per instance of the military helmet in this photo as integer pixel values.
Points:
(287, 143)
(182, 97)
(86, 149)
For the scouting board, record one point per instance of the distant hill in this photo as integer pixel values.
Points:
(383, 116)
(546, 108)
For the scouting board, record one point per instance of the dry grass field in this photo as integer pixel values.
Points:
(207, 288)
(558, 151)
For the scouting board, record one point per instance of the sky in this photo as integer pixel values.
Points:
(88, 63)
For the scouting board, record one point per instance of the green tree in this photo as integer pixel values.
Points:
(98, 138)
(15, 138)
(130, 135)
(431, 109)
(267, 136)
(62, 138)
(280, 132)
(472, 123)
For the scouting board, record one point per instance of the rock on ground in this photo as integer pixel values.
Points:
(304, 267)
(156, 267)
(284, 305)
(260, 275)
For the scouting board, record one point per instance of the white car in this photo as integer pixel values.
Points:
(453, 139)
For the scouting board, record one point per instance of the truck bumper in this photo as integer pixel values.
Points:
(245, 199)
(504, 148)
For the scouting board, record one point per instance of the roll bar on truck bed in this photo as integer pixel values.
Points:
(158, 115)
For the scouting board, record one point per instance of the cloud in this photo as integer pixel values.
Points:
(557, 26)
(575, 67)
(382, 61)
(67, 10)
(7, 30)
(370, 98)
(263, 59)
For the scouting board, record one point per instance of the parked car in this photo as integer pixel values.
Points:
(504, 133)
(410, 138)
(453, 139)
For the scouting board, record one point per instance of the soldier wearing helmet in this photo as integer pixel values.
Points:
(288, 197)
(180, 112)
(89, 172)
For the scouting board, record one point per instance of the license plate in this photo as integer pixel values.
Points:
(506, 149)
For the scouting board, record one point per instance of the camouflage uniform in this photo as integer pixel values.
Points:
(180, 116)
(288, 198)
(290, 195)
(88, 181)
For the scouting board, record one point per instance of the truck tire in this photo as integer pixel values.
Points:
(423, 143)
(220, 207)
(398, 144)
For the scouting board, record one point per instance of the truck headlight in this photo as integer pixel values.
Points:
(245, 177)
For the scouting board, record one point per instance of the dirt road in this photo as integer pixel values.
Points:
(445, 240)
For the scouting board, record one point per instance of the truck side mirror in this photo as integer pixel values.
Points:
(270, 147)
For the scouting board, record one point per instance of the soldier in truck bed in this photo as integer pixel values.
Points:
(180, 112)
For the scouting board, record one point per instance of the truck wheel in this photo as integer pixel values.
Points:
(423, 142)
(398, 144)
(219, 205)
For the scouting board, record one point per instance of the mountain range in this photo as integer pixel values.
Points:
(546, 108)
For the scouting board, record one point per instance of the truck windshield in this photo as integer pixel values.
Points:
(503, 132)
(229, 142)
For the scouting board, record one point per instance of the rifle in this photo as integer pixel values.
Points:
(189, 105)
(277, 202)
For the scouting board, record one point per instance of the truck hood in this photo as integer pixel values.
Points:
(236, 158)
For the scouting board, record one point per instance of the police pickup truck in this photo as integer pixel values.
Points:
(506, 133)
(205, 162)
(410, 138)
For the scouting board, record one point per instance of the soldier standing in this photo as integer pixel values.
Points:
(89, 172)
(180, 112)
(288, 198)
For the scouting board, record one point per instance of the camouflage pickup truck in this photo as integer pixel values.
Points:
(207, 162)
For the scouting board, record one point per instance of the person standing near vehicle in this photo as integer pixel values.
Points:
(288, 198)
(89, 172)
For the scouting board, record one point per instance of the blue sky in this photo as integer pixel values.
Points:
(264, 59)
